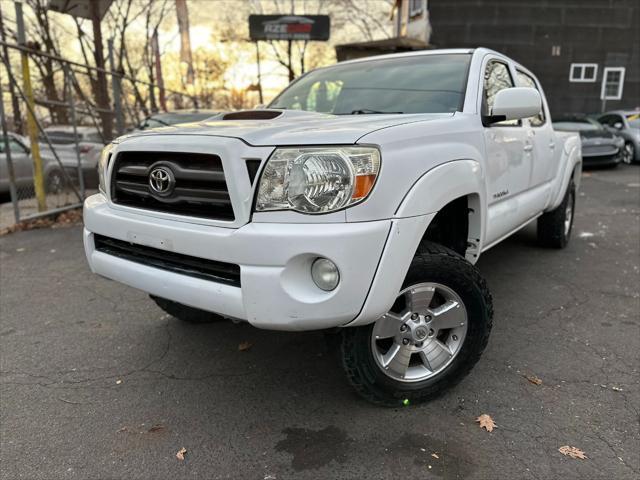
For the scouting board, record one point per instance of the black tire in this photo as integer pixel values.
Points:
(55, 182)
(184, 312)
(629, 155)
(432, 263)
(552, 231)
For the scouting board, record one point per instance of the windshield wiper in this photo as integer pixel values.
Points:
(364, 111)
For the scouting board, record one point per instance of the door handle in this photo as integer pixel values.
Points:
(552, 145)
(528, 147)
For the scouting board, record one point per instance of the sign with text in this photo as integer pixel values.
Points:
(289, 27)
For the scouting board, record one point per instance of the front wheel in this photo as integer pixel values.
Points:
(429, 340)
(628, 153)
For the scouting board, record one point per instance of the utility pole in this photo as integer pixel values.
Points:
(38, 180)
(102, 95)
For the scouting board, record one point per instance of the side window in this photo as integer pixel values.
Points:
(525, 80)
(16, 147)
(496, 78)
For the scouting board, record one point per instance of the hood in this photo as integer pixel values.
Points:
(290, 127)
(601, 134)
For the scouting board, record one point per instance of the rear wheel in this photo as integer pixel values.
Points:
(554, 227)
(429, 340)
(184, 312)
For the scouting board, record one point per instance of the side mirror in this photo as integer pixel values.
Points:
(515, 103)
(618, 125)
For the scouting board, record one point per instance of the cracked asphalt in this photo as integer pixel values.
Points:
(96, 382)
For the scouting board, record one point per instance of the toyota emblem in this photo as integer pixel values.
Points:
(161, 181)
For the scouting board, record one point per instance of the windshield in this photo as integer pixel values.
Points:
(576, 125)
(412, 84)
(634, 120)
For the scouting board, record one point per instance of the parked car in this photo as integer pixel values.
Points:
(360, 199)
(23, 168)
(89, 142)
(626, 124)
(600, 147)
(165, 119)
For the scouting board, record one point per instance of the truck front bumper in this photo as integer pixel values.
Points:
(276, 289)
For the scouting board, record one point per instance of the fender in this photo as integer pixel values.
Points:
(570, 169)
(427, 196)
(443, 184)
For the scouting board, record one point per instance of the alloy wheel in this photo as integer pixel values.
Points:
(422, 334)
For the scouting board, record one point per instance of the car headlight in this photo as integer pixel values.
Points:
(103, 164)
(317, 179)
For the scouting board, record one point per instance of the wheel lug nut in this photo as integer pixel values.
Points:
(428, 318)
(431, 332)
(414, 316)
(454, 338)
(419, 344)
(403, 328)
(405, 341)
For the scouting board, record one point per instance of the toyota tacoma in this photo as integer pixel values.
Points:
(360, 199)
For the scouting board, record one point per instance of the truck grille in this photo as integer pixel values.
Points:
(196, 184)
(220, 272)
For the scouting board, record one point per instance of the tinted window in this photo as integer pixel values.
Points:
(496, 78)
(415, 84)
(16, 148)
(525, 80)
(610, 120)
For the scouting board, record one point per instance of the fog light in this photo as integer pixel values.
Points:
(325, 274)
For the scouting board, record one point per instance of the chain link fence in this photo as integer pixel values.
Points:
(47, 165)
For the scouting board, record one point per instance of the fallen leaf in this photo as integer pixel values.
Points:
(244, 346)
(181, 453)
(616, 389)
(533, 379)
(156, 428)
(435, 455)
(486, 422)
(572, 452)
(118, 382)
(21, 249)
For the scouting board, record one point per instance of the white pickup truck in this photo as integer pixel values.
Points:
(361, 198)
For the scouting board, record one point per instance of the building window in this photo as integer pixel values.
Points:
(612, 83)
(555, 51)
(415, 8)
(583, 72)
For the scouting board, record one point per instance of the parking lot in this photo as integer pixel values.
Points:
(98, 383)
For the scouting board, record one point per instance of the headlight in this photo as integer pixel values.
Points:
(317, 179)
(103, 164)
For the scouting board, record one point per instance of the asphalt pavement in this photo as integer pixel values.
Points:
(97, 382)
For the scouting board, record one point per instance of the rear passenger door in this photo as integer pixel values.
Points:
(545, 156)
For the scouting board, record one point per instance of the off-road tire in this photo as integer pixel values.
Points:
(184, 312)
(432, 263)
(552, 232)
